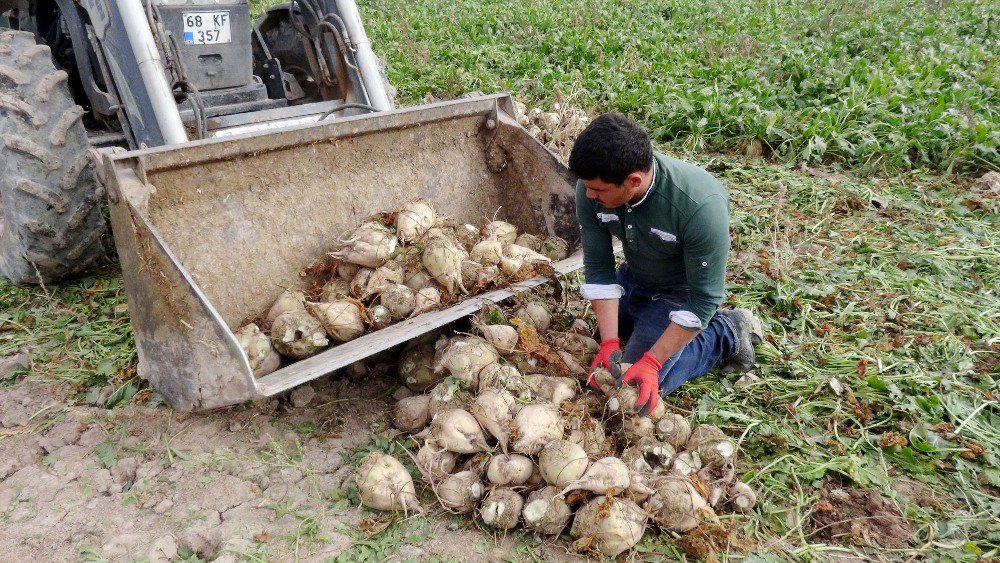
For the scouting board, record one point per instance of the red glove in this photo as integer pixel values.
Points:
(646, 375)
(608, 347)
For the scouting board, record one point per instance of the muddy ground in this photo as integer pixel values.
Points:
(264, 481)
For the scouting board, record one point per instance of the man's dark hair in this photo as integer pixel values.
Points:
(610, 148)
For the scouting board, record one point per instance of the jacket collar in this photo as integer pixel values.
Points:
(652, 186)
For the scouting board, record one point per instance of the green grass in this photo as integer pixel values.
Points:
(899, 306)
(888, 84)
(78, 332)
(882, 85)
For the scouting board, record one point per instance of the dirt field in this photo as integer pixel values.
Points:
(256, 482)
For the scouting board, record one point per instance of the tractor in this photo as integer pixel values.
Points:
(229, 155)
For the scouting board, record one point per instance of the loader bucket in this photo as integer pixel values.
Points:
(209, 233)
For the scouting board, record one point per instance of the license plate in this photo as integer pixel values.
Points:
(207, 28)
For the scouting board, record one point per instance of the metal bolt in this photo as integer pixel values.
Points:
(491, 124)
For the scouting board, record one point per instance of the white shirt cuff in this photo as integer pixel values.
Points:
(686, 319)
(596, 291)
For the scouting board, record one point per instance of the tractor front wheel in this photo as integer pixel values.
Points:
(50, 203)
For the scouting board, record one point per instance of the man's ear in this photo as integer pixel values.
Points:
(633, 180)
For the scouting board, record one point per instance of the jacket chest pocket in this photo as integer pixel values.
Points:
(612, 223)
(661, 243)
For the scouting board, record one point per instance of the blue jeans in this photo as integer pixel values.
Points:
(643, 315)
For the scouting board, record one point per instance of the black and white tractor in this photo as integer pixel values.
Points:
(83, 74)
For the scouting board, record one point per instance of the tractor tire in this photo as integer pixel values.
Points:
(51, 224)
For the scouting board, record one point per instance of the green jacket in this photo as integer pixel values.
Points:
(675, 240)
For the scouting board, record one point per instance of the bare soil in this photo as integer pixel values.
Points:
(264, 481)
(860, 517)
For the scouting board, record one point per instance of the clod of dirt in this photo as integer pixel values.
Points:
(302, 396)
(10, 364)
(916, 492)
(163, 549)
(989, 182)
(708, 540)
(18, 404)
(62, 434)
(860, 517)
(21, 453)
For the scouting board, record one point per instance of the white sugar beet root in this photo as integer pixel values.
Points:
(416, 368)
(636, 428)
(399, 300)
(341, 319)
(554, 248)
(464, 357)
(379, 317)
(443, 260)
(502, 508)
(614, 524)
(413, 220)
(588, 432)
(347, 271)
(369, 245)
(459, 493)
(536, 315)
(607, 475)
(502, 377)
(501, 231)
(713, 447)
(262, 356)
(359, 283)
(457, 431)
(335, 289)
(673, 429)
(534, 426)
(502, 337)
(546, 512)
(384, 484)
(562, 462)
(676, 504)
(448, 395)
(434, 462)
(741, 497)
(524, 255)
(426, 299)
(287, 301)
(574, 367)
(553, 389)
(381, 279)
(487, 252)
(411, 414)
(649, 456)
(297, 334)
(467, 235)
(528, 240)
(417, 278)
(494, 410)
(574, 343)
(686, 463)
(509, 469)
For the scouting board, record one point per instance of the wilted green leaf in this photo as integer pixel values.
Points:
(106, 452)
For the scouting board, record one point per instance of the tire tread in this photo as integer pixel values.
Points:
(52, 224)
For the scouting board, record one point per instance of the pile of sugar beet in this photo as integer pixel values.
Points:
(504, 428)
(393, 267)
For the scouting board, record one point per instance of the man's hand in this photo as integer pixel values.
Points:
(646, 375)
(603, 359)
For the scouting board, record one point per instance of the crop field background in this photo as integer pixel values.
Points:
(857, 141)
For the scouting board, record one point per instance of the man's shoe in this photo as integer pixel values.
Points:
(749, 332)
